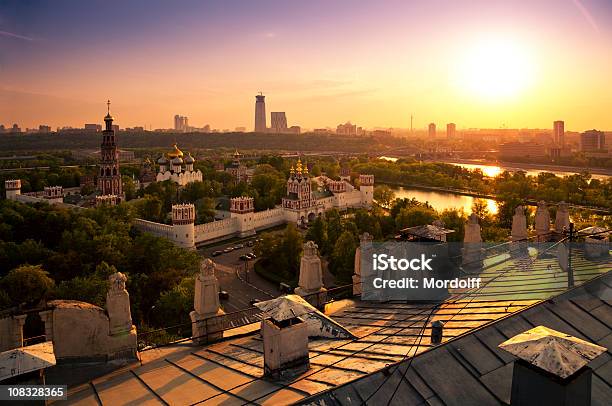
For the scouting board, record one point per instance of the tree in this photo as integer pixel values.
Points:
(292, 248)
(149, 208)
(384, 195)
(27, 284)
(174, 305)
(129, 188)
(415, 216)
(317, 232)
(455, 220)
(342, 262)
(90, 289)
(334, 227)
(480, 208)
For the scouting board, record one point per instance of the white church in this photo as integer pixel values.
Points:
(177, 167)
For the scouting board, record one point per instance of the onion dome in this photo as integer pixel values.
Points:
(298, 168)
(189, 159)
(175, 153)
(177, 160)
(292, 171)
(162, 160)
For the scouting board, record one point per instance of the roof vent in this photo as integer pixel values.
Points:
(437, 331)
(551, 369)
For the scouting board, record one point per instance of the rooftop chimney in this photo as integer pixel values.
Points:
(287, 324)
(285, 345)
(551, 369)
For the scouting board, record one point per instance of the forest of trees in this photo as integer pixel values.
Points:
(49, 252)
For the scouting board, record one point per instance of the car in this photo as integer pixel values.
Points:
(284, 288)
(248, 256)
(223, 295)
(239, 246)
(228, 249)
(217, 253)
(253, 256)
(253, 301)
(244, 257)
(250, 243)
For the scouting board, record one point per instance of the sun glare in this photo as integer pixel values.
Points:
(496, 70)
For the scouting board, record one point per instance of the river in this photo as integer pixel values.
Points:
(443, 200)
(494, 170)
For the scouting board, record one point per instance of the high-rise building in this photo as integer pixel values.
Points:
(346, 129)
(109, 179)
(181, 123)
(260, 113)
(559, 133)
(592, 141)
(278, 123)
(93, 128)
(431, 130)
(450, 130)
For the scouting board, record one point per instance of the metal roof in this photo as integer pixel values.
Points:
(347, 370)
(22, 360)
(473, 370)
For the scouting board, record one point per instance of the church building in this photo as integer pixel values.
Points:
(177, 167)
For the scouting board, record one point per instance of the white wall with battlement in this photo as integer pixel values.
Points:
(215, 229)
(269, 218)
(158, 229)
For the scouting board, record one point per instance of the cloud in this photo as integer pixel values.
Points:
(16, 36)
(587, 15)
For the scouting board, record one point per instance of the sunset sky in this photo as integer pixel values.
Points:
(478, 63)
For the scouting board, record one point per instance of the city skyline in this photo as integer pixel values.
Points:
(479, 64)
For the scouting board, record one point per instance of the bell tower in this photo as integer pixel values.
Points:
(109, 177)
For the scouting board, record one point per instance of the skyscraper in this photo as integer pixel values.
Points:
(278, 122)
(559, 133)
(592, 141)
(260, 113)
(450, 130)
(432, 130)
(109, 180)
(180, 123)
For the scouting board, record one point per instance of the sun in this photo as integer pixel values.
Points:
(495, 69)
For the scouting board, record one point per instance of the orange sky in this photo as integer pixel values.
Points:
(476, 63)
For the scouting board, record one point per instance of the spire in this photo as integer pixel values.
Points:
(108, 119)
(292, 171)
(298, 168)
(305, 169)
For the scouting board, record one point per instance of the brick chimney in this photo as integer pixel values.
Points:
(551, 369)
(285, 335)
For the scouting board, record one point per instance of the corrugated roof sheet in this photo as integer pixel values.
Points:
(470, 367)
(473, 370)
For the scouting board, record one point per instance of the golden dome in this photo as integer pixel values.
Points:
(292, 170)
(299, 166)
(175, 153)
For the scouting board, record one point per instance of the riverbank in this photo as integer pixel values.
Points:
(438, 194)
(516, 166)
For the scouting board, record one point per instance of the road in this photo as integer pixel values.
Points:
(242, 287)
